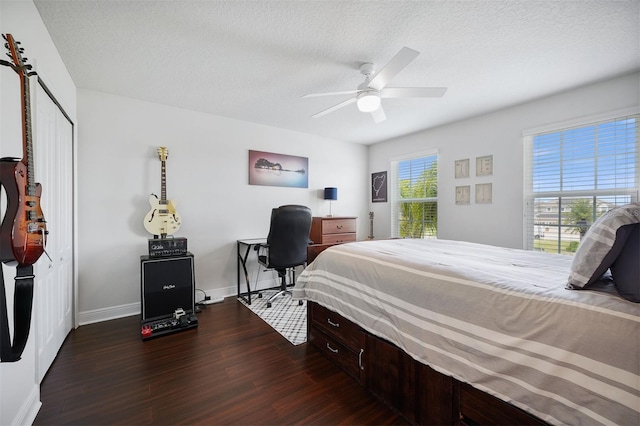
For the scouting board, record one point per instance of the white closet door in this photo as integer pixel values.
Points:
(53, 293)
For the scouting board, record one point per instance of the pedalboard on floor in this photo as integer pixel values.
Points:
(180, 321)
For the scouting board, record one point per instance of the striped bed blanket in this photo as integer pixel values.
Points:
(499, 319)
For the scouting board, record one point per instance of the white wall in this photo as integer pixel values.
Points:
(207, 176)
(499, 134)
(19, 389)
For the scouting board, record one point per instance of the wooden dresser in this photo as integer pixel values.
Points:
(333, 230)
(329, 231)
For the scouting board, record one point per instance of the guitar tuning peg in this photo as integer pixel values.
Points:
(18, 42)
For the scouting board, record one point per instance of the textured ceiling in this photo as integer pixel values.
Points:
(253, 60)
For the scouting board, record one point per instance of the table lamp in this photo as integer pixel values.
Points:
(330, 194)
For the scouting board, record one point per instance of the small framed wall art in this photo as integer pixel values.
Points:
(462, 168)
(484, 165)
(463, 194)
(484, 193)
(379, 187)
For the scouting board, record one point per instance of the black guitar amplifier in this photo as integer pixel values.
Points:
(161, 247)
(167, 295)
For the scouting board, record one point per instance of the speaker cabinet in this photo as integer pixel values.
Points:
(167, 286)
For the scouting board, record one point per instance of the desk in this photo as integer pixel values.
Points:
(246, 245)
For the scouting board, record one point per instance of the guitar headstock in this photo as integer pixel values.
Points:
(163, 153)
(18, 63)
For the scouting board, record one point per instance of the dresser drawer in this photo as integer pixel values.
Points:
(333, 230)
(337, 238)
(338, 226)
(349, 361)
(337, 328)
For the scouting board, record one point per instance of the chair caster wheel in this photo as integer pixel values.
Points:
(300, 302)
(268, 304)
(259, 295)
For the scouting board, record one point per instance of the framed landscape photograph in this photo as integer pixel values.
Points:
(271, 169)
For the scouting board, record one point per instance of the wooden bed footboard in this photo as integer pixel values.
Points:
(419, 393)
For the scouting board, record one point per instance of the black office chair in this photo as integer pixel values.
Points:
(286, 243)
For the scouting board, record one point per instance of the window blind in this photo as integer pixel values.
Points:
(415, 197)
(573, 176)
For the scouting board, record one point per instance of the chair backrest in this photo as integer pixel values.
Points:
(289, 236)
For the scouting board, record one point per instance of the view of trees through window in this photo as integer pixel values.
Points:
(577, 175)
(560, 222)
(416, 200)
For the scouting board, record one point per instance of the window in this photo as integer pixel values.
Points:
(575, 175)
(415, 197)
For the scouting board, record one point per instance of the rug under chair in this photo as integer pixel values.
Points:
(285, 315)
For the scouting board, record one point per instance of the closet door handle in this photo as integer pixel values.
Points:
(360, 359)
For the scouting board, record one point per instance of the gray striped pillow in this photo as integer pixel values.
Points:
(602, 244)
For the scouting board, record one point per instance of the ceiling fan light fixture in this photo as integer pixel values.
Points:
(368, 101)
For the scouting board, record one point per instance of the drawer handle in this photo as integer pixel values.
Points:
(339, 226)
(337, 325)
(335, 351)
(360, 359)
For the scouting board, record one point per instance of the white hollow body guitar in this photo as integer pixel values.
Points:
(163, 218)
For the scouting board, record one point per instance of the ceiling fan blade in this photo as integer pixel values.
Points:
(346, 92)
(413, 92)
(335, 107)
(395, 65)
(378, 115)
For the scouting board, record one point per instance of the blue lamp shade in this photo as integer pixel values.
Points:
(331, 193)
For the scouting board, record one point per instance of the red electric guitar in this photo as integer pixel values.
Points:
(23, 231)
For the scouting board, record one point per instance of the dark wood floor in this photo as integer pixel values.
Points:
(232, 369)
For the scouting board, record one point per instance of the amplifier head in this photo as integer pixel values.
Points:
(167, 247)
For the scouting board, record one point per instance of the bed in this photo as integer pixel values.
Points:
(499, 320)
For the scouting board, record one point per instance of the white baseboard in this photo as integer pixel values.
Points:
(130, 309)
(29, 410)
(106, 314)
(217, 293)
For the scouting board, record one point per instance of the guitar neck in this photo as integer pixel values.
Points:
(163, 183)
(27, 143)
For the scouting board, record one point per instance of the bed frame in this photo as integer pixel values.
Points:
(419, 393)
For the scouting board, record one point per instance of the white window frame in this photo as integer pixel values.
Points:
(393, 192)
(530, 195)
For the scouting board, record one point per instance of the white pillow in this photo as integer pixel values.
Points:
(602, 244)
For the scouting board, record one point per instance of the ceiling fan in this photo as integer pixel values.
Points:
(374, 88)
